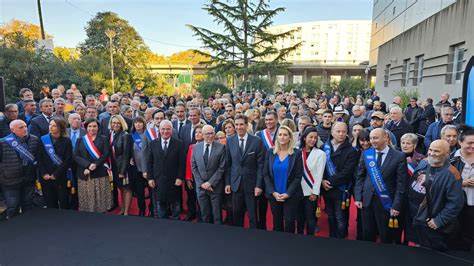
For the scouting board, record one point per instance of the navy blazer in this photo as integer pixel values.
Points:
(395, 175)
(39, 126)
(295, 173)
(246, 168)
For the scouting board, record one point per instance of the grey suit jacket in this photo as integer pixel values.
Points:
(214, 172)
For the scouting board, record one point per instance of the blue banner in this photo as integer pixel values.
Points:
(468, 94)
(20, 148)
(377, 179)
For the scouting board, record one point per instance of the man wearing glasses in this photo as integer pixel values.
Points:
(434, 130)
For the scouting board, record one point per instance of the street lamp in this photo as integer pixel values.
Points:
(367, 70)
(111, 34)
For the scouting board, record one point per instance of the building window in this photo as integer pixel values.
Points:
(405, 72)
(386, 75)
(455, 63)
(418, 75)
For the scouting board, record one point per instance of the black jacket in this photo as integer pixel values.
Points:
(399, 130)
(122, 152)
(295, 173)
(166, 168)
(13, 169)
(63, 148)
(83, 159)
(395, 175)
(345, 159)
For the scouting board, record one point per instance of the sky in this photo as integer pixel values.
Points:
(161, 23)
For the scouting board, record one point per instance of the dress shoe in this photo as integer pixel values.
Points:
(141, 213)
(189, 218)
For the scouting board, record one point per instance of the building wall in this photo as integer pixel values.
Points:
(343, 42)
(393, 17)
(434, 39)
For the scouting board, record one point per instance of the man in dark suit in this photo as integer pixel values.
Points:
(244, 172)
(398, 126)
(39, 125)
(178, 124)
(268, 137)
(166, 162)
(187, 137)
(113, 108)
(378, 208)
(74, 133)
(208, 166)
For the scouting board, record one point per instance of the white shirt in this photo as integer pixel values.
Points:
(384, 153)
(245, 139)
(467, 172)
(163, 143)
(204, 150)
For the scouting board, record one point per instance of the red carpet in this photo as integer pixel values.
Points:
(322, 223)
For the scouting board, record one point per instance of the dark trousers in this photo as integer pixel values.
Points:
(162, 210)
(192, 200)
(228, 209)
(242, 200)
(19, 196)
(262, 205)
(430, 238)
(55, 194)
(336, 217)
(138, 187)
(375, 218)
(284, 215)
(210, 204)
(466, 218)
(306, 217)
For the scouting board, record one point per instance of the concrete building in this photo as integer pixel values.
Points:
(421, 44)
(331, 50)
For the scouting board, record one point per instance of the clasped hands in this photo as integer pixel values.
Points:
(280, 197)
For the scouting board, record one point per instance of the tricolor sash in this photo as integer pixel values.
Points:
(20, 148)
(151, 133)
(331, 168)
(411, 168)
(267, 139)
(95, 153)
(308, 177)
(137, 139)
(48, 146)
(377, 180)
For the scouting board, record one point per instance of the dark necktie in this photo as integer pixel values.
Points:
(48, 118)
(180, 126)
(379, 159)
(74, 139)
(165, 149)
(242, 146)
(206, 155)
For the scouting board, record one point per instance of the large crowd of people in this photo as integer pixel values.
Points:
(407, 169)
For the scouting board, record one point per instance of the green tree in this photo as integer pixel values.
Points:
(350, 86)
(208, 88)
(257, 84)
(406, 95)
(244, 45)
(129, 50)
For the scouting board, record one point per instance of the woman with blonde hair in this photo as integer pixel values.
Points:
(282, 173)
(121, 152)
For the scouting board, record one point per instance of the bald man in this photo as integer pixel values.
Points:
(18, 153)
(442, 191)
(381, 188)
(208, 165)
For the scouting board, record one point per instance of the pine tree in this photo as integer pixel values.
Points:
(244, 47)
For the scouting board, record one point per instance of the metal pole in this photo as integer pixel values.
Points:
(112, 66)
(43, 37)
(111, 34)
